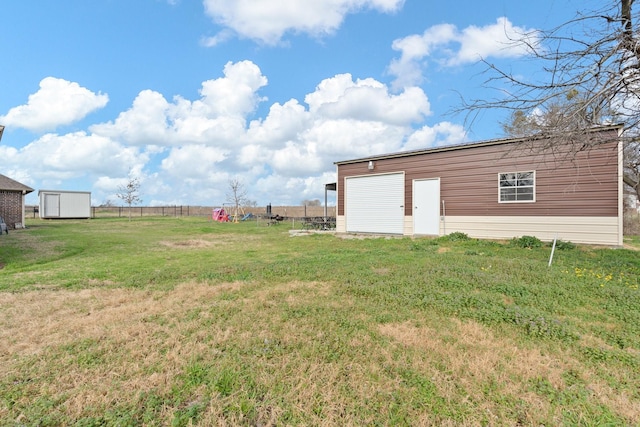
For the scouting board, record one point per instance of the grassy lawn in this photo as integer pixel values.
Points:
(182, 321)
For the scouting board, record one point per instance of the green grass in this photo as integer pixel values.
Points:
(179, 321)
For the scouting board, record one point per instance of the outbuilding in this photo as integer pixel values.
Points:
(497, 189)
(57, 204)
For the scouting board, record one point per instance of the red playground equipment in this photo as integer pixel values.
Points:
(220, 215)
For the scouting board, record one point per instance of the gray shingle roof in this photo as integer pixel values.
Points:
(7, 183)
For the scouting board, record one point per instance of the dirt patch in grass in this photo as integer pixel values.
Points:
(186, 244)
(208, 242)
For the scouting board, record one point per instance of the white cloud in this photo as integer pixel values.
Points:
(77, 154)
(442, 134)
(217, 118)
(218, 39)
(193, 161)
(449, 46)
(185, 151)
(144, 123)
(58, 102)
(283, 123)
(367, 100)
(268, 20)
(290, 191)
(500, 40)
(344, 139)
(52, 160)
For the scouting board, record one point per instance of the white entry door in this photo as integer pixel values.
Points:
(51, 205)
(426, 206)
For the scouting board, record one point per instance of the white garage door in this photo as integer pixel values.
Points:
(375, 204)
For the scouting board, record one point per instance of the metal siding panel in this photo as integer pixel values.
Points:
(75, 205)
(579, 229)
(586, 183)
(375, 204)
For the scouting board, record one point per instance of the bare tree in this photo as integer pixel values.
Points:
(521, 125)
(590, 77)
(631, 175)
(314, 202)
(129, 193)
(237, 197)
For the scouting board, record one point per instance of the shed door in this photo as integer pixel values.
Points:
(51, 205)
(426, 206)
(375, 204)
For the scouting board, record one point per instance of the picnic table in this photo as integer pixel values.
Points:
(318, 223)
(275, 220)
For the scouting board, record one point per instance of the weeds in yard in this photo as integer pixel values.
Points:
(528, 242)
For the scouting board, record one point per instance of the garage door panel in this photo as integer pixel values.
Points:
(375, 204)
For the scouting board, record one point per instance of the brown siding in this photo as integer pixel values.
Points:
(582, 184)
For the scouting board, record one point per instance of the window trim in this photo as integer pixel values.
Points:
(517, 173)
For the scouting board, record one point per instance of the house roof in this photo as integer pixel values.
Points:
(9, 184)
(463, 146)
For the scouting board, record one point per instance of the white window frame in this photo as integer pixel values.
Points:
(516, 186)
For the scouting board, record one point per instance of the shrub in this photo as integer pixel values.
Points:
(527, 242)
(455, 236)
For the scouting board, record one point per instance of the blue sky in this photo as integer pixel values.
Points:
(188, 94)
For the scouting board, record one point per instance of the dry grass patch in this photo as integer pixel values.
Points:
(99, 347)
(102, 348)
(186, 244)
(469, 356)
(32, 321)
(209, 241)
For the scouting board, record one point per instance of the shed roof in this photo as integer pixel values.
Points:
(9, 184)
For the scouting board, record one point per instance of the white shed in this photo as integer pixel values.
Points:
(64, 204)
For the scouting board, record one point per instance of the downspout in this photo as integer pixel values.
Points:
(444, 221)
(620, 190)
(325, 203)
